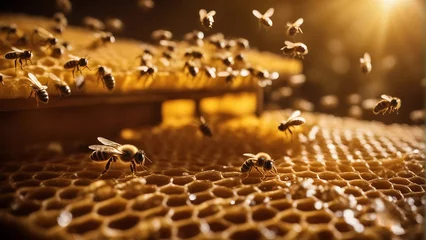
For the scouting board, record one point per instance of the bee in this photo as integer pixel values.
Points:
(260, 160)
(204, 128)
(58, 28)
(231, 74)
(206, 19)
(387, 103)
(146, 4)
(39, 90)
(192, 68)
(104, 38)
(146, 58)
(57, 51)
(293, 120)
(62, 86)
(147, 70)
(113, 151)
(76, 63)
(161, 34)
(93, 23)
(265, 78)
(228, 60)
(194, 38)
(294, 28)
(297, 49)
(167, 55)
(3, 77)
(114, 25)
(194, 54)
(20, 55)
(105, 74)
(264, 20)
(9, 30)
(59, 18)
(365, 63)
(210, 72)
(242, 43)
(46, 37)
(64, 5)
(170, 45)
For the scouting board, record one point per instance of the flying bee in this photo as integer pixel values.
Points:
(206, 19)
(62, 86)
(231, 74)
(38, 89)
(93, 24)
(387, 103)
(191, 68)
(204, 128)
(294, 28)
(170, 45)
(210, 72)
(365, 63)
(242, 43)
(265, 78)
(260, 160)
(293, 120)
(114, 25)
(9, 30)
(20, 55)
(3, 77)
(297, 49)
(194, 38)
(46, 37)
(103, 38)
(147, 70)
(161, 34)
(146, 4)
(76, 63)
(113, 151)
(105, 74)
(265, 19)
(64, 5)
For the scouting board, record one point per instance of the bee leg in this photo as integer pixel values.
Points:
(31, 93)
(15, 64)
(131, 169)
(108, 165)
(134, 166)
(73, 72)
(20, 61)
(261, 173)
(385, 111)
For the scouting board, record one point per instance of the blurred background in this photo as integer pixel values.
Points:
(337, 33)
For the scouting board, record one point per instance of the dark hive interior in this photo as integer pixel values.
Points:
(344, 174)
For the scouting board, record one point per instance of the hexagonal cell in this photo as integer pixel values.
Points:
(272, 185)
(112, 208)
(104, 193)
(416, 188)
(364, 185)
(57, 182)
(69, 193)
(236, 217)
(418, 180)
(175, 172)
(368, 176)
(328, 175)
(318, 218)
(403, 189)
(211, 175)
(151, 202)
(18, 177)
(182, 180)
(124, 223)
(277, 195)
(306, 205)
(278, 229)
(24, 208)
(281, 205)
(172, 190)
(229, 182)
(82, 182)
(46, 220)
(349, 175)
(181, 214)
(392, 193)
(188, 230)
(353, 191)
(41, 193)
(262, 214)
(381, 184)
(343, 227)
(46, 175)
(80, 210)
(138, 190)
(244, 191)
(177, 200)
(339, 183)
(54, 204)
(159, 180)
(32, 168)
(306, 174)
(217, 225)
(222, 192)
(208, 211)
(244, 234)
(27, 183)
(199, 198)
(84, 227)
(291, 217)
(199, 186)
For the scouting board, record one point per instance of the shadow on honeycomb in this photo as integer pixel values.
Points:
(337, 179)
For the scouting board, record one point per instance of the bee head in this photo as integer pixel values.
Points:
(269, 164)
(28, 54)
(53, 41)
(110, 38)
(394, 102)
(83, 62)
(140, 157)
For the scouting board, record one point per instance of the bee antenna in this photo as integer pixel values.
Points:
(148, 159)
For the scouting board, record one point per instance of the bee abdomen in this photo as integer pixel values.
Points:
(70, 64)
(43, 96)
(297, 122)
(245, 168)
(99, 156)
(380, 106)
(66, 90)
(11, 55)
(109, 81)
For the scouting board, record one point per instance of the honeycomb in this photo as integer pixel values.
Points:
(338, 178)
(121, 58)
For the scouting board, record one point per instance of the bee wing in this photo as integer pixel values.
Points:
(79, 81)
(299, 120)
(34, 80)
(386, 97)
(294, 115)
(250, 155)
(367, 57)
(54, 77)
(289, 44)
(108, 142)
(73, 57)
(289, 24)
(298, 22)
(269, 13)
(104, 148)
(16, 49)
(44, 32)
(5, 76)
(257, 14)
(142, 68)
(223, 74)
(244, 72)
(211, 13)
(202, 13)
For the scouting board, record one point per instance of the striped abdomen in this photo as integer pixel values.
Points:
(71, 64)
(247, 165)
(381, 106)
(99, 156)
(43, 96)
(12, 55)
(109, 81)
